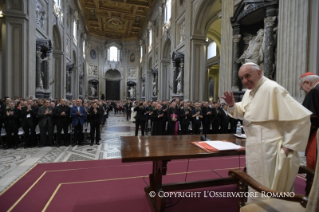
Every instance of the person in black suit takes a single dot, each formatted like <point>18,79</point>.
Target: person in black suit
<point>45,114</point>
<point>62,119</point>
<point>11,125</point>
<point>207,114</point>
<point>197,118</point>
<point>95,119</point>
<point>28,116</point>
<point>140,120</point>
<point>128,107</point>
<point>224,120</point>
<point>215,118</point>
<point>185,114</point>
<point>157,116</point>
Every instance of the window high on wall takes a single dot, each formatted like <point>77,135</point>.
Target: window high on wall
<point>168,11</point>
<point>211,50</point>
<point>113,53</point>
<point>150,39</point>
<point>141,53</point>
<point>75,29</point>
<point>58,2</point>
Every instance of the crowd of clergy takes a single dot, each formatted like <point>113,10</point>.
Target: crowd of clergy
<point>43,122</point>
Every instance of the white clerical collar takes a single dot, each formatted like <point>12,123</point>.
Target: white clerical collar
<point>260,82</point>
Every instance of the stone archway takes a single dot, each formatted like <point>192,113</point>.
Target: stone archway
<point>113,84</point>
<point>58,71</point>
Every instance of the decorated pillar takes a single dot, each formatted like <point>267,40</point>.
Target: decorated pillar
<point>269,45</point>
<point>236,53</point>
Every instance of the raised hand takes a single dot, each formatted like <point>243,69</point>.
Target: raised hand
<point>229,98</point>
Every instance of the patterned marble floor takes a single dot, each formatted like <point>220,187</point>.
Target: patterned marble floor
<point>14,163</point>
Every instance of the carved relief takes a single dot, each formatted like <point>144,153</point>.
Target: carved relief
<point>182,31</point>
<point>93,70</point>
<point>40,14</point>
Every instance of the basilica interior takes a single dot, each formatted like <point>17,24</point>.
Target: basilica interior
<point>139,50</point>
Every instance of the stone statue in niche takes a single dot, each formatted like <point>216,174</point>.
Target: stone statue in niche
<point>93,90</point>
<point>179,83</point>
<point>143,89</point>
<point>132,92</point>
<point>255,51</point>
<point>154,86</point>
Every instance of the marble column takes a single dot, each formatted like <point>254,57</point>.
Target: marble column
<point>174,77</point>
<point>269,46</point>
<point>39,83</point>
<point>182,74</point>
<point>46,83</point>
<point>226,56</point>
<point>292,45</point>
<point>236,55</point>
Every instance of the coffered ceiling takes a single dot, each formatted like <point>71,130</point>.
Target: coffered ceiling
<point>116,19</point>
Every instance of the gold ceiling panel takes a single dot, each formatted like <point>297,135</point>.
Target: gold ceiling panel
<point>116,19</point>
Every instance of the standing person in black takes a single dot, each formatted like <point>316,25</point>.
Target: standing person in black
<point>128,107</point>
<point>62,117</point>
<point>207,113</point>
<point>197,116</point>
<point>95,119</point>
<point>173,116</point>
<point>165,110</point>
<point>215,119</point>
<point>11,125</point>
<point>140,118</point>
<point>45,123</point>
<point>185,118</point>
<point>224,120</point>
<point>158,119</point>
<point>28,123</point>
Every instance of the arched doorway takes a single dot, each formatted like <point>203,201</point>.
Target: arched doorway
<point>112,84</point>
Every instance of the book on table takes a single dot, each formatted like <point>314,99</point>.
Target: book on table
<point>215,146</point>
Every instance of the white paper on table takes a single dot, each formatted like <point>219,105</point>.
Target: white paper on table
<point>223,145</point>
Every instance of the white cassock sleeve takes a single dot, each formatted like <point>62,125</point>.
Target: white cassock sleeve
<point>296,134</point>
<point>236,111</point>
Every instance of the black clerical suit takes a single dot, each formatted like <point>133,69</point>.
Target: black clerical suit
<point>95,120</point>
<point>128,107</point>
<point>28,124</point>
<point>185,115</point>
<point>46,125</point>
<point>62,122</point>
<point>165,111</point>
<point>11,125</point>
<point>197,121</point>
<point>140,118</point>
<point>207,114</point>
<point>224,121</point>
<point>158,120</point>
<point>215,120</point>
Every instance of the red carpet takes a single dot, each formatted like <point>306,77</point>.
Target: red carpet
<point>110,185</point>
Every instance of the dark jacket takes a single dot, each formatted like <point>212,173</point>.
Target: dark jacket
<point>141,113</point>
<point>11,120</point>
<point>28,118</point>
<point>43,119</point>
<point>59,118</point>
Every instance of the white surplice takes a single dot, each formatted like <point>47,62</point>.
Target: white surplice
<point>272,119</point>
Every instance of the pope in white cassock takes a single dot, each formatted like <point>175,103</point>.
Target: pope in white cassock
<point>276,127</point>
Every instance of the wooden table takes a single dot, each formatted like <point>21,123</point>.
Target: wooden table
<point>161,149</point>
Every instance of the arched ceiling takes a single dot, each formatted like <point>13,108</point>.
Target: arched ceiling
<point>116,19</point>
